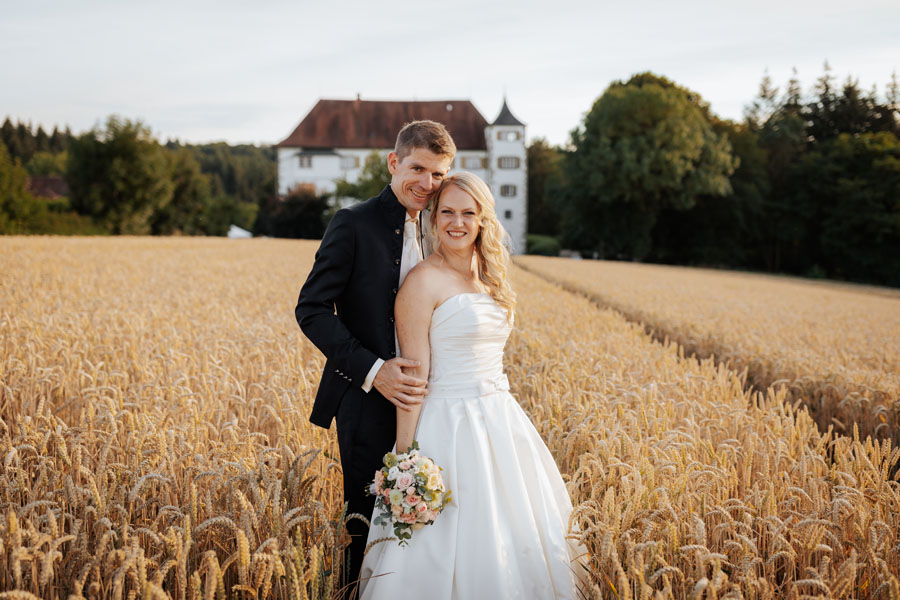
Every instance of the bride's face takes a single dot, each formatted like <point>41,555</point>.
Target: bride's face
<point>457,219</point>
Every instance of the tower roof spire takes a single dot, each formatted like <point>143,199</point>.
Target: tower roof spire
<point>506,117</point>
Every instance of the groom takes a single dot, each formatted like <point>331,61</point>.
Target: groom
<point>346,308</point>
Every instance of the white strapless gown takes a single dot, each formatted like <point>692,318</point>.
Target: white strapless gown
<point>503,534</point>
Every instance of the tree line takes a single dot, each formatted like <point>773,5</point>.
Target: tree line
<point>806,184</point>
<point>121,180</point>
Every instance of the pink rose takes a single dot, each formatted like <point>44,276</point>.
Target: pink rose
<point>379,478</point>
<point>412,499</point>
<point>405,465</point>
<point>420,507</point>
<point>404,480</point>
<point>387,494</point>
<point>408,518</point>
<point>396,510</point>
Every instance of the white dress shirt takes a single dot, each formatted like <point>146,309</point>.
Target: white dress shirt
<point>409,257</point>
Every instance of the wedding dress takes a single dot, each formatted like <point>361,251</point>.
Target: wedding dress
<point>503,534</point>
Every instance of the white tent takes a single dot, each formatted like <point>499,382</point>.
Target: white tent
<point>236,232</point>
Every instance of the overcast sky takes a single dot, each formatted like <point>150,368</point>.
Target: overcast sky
<point>249,71</point>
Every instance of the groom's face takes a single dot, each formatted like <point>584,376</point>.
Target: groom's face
<point>417,177</point>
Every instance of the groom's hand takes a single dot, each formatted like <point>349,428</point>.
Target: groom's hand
<point>400,389</point>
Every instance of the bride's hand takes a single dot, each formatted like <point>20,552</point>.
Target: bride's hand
<point>400,389</point>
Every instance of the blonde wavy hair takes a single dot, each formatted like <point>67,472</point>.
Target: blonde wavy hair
<point>491,243</point>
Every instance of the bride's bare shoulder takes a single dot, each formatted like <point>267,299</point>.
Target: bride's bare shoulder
<point>425,280</point>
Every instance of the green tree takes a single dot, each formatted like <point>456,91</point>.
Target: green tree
<point>7,134</point>
<point>854,182</point>
<point>851,111</point>
<point>780,132</point>
<point>545,181</point>
<point>59,140</point>
<point>790,129</point>
<point>47,163</point>
<point>223,211</point>
<point>41,140</point>
<point>22,213</point>
<point>245,172</point>
<point>26,145</point>
<point>892,93</point>
<point>17,207</point>
<point>765,103</point>
<point>721,231</point>
<point>301,214</point>
<point>646,145</point>
<point>371,181</point>
<point>191,198</point>
<point>119,175</point>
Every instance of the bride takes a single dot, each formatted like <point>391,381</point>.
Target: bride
<point>503,535</point>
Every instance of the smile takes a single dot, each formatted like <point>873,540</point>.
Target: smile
<point>456,234</point>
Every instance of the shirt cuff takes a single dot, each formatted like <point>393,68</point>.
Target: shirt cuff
<point>370,378</point>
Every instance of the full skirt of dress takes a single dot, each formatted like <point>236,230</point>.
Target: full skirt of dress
<point>503,535</point>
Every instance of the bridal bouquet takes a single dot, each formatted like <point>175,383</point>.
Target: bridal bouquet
<point>410,492</point>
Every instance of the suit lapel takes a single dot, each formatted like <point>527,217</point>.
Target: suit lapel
<point>392,216</point>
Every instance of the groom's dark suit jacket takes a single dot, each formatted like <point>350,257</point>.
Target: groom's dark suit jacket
<point>346,306</point>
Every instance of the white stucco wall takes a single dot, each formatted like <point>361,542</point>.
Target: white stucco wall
<point>325,168</point>
<point>472,161</point>
<point>516,226</point>
<point>324,171</point>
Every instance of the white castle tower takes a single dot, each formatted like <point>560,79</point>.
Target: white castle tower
<point>507,173</point>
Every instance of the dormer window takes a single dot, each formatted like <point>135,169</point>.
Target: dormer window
<point>509,136</point>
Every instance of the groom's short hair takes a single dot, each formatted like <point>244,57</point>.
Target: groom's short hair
<point>429,135</point>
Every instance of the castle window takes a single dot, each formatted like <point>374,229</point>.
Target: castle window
<point>349,162</point>
<point>507,214</point>
<point>509,136</point>
<point>473,162</point>
<point>508,190</point>
<point>508,162</point>
<point>305,161</point>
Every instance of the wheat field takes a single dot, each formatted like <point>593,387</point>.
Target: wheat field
<point>835,347</point>
<point>154,396</point>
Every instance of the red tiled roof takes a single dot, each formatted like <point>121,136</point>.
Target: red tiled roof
<point>375,123</point>
<point>48,186</point>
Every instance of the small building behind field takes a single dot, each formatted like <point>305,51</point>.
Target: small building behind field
<point>334,139</point>
<point>48,186</point>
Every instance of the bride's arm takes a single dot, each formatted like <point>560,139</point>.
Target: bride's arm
<point>412,316</point>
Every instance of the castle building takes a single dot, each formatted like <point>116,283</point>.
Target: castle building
<point>334,139</point>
